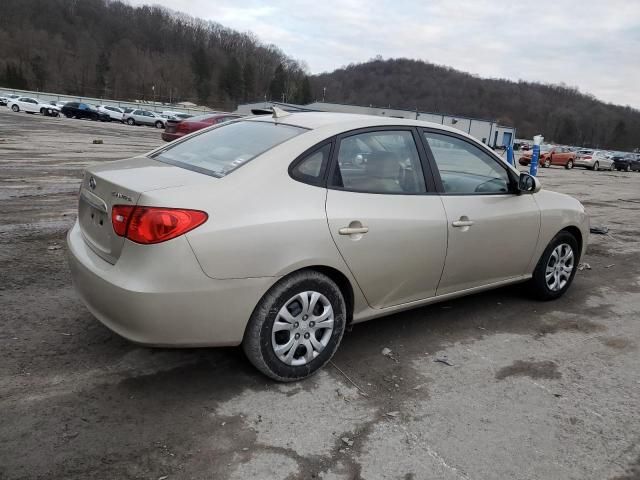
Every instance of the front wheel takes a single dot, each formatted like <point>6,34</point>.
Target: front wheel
<point>569,165</point>
<point>296,327</point>
<point>159,124</point>
<point>131,121</point>
<point>15,108</point>
<point>627,168</point>
<point>556,268</point>
<point>547,163</point>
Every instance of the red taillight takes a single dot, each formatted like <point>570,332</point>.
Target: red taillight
<point>587,157</point>
<point>148,225</point>
<point>120,215</point>
<point>182,127</point>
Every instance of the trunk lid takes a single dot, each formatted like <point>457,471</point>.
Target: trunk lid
<point>122,183</point>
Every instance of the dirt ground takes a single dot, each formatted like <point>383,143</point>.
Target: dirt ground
<point>534,390</point>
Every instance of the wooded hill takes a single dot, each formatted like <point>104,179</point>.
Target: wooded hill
<point>560,113</point>
<point>106,48</point>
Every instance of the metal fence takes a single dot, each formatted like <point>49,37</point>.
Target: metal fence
<point>147,105</point>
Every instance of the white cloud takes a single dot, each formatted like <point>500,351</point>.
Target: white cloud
<point>591,44</point>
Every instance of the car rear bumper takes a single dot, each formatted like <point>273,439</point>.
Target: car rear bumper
<point>169,137</point>
<point>583,163</point>
<point>161,296</point>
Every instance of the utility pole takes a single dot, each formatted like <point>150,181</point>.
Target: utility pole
<point>324,93</point>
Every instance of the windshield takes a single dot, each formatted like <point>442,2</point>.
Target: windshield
<point>225,148</point>
<point>545,148</point>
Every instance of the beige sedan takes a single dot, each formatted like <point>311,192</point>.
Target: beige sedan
<point>276,232</point>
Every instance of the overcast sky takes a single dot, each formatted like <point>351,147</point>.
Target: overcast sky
<point>591,44</point>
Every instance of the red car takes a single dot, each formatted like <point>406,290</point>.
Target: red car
<point>176,130</point>
<point>549,155</point>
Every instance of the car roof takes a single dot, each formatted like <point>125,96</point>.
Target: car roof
<point>347,121</point>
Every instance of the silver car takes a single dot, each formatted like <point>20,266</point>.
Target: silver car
<point>276,233</point>
<point>144,117</point>
<point>593,159</point>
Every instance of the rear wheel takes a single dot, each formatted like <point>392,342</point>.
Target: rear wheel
<point>15,108</point>
<point>556,268</point>
<point>159,124</point>
<point>547,163</point>
<point>297,327</point>
<point>42,111</point>
<point>569,165</point>
<point>596,166</point>
<point>131,121</point>
<point>627,168</point>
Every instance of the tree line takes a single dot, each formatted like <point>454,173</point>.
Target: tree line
<point>107,48</point>
<point>562,114</point>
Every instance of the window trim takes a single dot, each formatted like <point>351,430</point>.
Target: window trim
<point>323,178</point>
<point>427,173</point>
<point>513,181</point>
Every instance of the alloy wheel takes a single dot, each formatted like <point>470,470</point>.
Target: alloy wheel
<point>559,267</point>
<point>303,328</point>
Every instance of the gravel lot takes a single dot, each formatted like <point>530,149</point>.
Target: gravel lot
<point>536,390</point>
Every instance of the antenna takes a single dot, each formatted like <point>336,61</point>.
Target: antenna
<point>278,113</point>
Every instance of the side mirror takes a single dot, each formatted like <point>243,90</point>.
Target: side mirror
<point>528,183</point>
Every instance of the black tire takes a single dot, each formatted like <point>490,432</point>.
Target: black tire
<point>257,342</point>
<point>539,287</point>
<point>569,165</point>
<point>15,108</point>
<point>596,166</point>
<point>547,163</point>
<point>42,111</point>
<point>627,168</point>
<point>159,124</point>
<point>131,121</point>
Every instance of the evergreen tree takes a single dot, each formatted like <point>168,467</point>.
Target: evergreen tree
<point>231,80</point>
<point>304,91</point>
<point>278,84</point>
<point>249,84</point>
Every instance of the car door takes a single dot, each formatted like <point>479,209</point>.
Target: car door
<point>384,217</point>
<point>492,230</point>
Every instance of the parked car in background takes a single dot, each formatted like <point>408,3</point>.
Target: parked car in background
<point>5,98</point>
<point>626,162</point>
<point>27,104</point>
<point>83,110</point>
<point>593,159</point>
<point>170,249</point>
<point>115,113</point>
<point>176,130</point>
<point>550,155</point>
<point>144,117</point>
<point>51,109</point>
<point>176,115</point>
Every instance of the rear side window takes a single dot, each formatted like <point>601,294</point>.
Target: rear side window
<point>312,167</point>
<point>379,162</point>
<point>221,150</point>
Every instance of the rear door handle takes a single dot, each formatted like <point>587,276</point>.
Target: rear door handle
<point>462,223</point>
<point>353,230</point>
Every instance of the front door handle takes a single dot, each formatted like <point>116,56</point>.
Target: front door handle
<point>353,230</point>
<point>463,222</point>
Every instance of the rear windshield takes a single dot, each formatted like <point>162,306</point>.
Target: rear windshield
<point>227,147</point>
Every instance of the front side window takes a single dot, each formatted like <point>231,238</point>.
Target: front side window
<point>227,147</point>
<point>385,161</point>
<point>465,168</point>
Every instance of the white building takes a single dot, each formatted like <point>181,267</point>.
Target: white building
<point>487,131</point>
